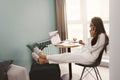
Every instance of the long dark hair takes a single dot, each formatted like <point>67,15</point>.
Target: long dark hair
<point>99,28</point>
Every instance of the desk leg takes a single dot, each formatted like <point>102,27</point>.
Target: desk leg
<point>70,76</point>
<point>70,71</point>
<point>70,67</point>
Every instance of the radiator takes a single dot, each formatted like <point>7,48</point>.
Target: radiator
<point>49,48</point>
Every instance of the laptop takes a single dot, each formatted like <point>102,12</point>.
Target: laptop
<point>55,38</point>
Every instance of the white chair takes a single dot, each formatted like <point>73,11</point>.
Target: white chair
<point>17,73</point>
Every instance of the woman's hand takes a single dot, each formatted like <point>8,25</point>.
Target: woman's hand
<point>81,42</point>
<point>92,33</point>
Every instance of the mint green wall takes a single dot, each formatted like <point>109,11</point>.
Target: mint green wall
<point>23,22</point>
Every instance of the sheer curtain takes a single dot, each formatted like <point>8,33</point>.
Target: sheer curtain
<point>61,19</point>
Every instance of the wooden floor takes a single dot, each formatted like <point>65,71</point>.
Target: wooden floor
<point>104,71</point>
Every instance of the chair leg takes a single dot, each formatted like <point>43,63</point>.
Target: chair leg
<point>82,73</point>
<point>98,73</point>
<point>89,72</point>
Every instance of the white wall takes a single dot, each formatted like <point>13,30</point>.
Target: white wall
<point>114,40</point>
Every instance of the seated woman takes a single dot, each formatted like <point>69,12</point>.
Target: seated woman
<point>88,53</point>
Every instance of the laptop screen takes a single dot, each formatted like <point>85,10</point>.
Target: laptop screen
<point>55,38</point>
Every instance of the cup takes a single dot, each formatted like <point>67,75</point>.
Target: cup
<point>74,39</point>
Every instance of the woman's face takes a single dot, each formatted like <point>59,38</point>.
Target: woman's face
<point>92,30</point>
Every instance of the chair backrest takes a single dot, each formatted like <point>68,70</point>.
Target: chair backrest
<point>98,60</point>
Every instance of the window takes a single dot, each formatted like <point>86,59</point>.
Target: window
<point>79,14</point>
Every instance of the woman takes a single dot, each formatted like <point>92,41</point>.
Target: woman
<point>88,53</point>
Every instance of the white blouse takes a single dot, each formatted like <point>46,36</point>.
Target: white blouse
<point>85,55</point>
